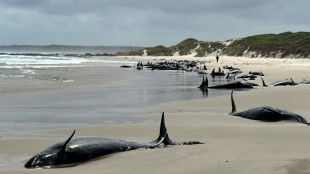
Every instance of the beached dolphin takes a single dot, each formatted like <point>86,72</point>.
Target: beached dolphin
<point>247,82</point>
<point>219,73</point>
<point>231,85</point>
<point>236,71</point>
<point>281,83</point>
<point>266,113</point>
<point>230,68</point>
<point>250,76</point>
<point>83,149</point>
<point>305,82</point>
<point>257,73</point>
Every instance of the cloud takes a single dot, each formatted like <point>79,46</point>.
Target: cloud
<point>147,22</point>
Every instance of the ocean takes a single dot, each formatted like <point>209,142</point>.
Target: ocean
<point>21,65</point>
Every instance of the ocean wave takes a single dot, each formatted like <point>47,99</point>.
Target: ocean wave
<point>25,65</point>
<point>35,60</point>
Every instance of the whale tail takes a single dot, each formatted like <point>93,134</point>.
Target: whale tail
<point>206,83</point>
<point>264,84</point>
<point>202,84</point>
<point>163,135</point>
<point>233,105</point>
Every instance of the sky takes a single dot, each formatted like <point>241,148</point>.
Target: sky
<point>145,22</point>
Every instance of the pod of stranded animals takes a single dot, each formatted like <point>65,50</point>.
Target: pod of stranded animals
<point>192,66</point>
<point>184,65</point>
<point>84,149</point>
<point>79,150</point>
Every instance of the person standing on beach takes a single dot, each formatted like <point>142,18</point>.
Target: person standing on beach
<point>217,59</point>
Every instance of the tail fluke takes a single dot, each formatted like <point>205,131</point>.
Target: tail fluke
<point>264,84</point>
<point>163,135</point>
<point>206,82</point>
<point>202,84</point>
<point>233,105</point>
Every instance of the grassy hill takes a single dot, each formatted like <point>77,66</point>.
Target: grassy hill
<point>271,45</point>
<point>281,45</point>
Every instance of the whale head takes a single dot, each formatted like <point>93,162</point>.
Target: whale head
<point>45,159</point>
<point>53,156</point>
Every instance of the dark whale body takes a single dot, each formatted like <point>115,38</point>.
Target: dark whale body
<point>79,150</point>
<point>249,83</point>
<point>257,73</point>
<point>218,73</point>
<point>266,113</point>
<point>305,82</point>
<point>250,76</point>
<point>231,85</point>
<point>285,82</point>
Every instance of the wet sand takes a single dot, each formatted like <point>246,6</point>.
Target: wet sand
<point>232,144</point>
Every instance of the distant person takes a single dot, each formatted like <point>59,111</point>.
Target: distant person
<point>217,59</point>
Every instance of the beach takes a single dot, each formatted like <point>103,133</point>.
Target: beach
<point>231,144</point>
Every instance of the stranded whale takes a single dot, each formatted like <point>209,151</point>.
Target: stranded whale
<point>305,82</point>
<point>231,85</point>
<point>281,83</point>
<point>266,113</point>
<point>79,150</point>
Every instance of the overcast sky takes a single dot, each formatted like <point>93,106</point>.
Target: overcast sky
<point>145,22</point>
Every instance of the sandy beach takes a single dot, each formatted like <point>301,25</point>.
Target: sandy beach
<point>231,144</point>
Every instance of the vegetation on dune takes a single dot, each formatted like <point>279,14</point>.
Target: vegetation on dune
<point>151,51</point>
<point>208,48</point>
<point>159,51</point>
<point>266,45</point>
<point>185,47</point>
<point>131,53</point>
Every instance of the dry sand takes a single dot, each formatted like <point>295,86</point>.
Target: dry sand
<point>232,145</point>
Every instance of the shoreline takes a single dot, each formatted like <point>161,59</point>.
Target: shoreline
<point>232,144</point>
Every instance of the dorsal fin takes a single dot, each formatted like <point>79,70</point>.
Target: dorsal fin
<point>293,82</point>
<point>206,83</point>
<point>63,148</point>
<point>233,105</point>
<point>227,75</point>
<point>163,135</point>
<point>264,84</point>
<point>162,129</point>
